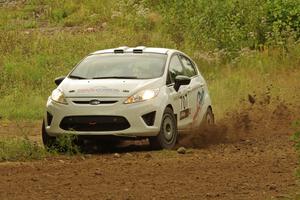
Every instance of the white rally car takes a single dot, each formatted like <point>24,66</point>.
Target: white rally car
<point>127,92</point>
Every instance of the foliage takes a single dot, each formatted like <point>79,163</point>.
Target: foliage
<point>20,149</point>
<point>65,143</point>
<point>282,21</point>
<point>230,24</point>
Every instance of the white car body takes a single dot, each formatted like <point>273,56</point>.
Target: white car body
<point>106,97</point>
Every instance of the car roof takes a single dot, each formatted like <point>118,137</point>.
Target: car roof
<point>139,49</point>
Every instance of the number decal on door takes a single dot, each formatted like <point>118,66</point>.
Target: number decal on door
<point>185,110</point>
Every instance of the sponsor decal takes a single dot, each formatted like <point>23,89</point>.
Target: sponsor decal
<point>97,90</point>
<point>200,101</point>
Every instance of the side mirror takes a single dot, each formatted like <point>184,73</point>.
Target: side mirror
<point>181,80</point>
<point>58,80</point>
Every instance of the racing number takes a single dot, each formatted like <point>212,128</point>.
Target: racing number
<point>185,111</point>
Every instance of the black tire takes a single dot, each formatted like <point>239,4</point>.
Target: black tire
<point>167,137</point>
<point>209,119</point>
<point>48,141</point>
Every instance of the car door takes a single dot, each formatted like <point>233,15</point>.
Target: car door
<point>195,90</point>
<point>180,101</point>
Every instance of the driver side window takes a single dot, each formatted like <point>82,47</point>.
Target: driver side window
<point>175,69</point>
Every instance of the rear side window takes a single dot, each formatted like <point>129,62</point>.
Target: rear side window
<point>175,68</point>
<point>189,70</point>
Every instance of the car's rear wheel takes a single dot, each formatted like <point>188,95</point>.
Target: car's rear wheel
<point>167,137</point>
<point>48,141</point>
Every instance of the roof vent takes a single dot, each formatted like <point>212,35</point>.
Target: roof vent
<point>118,51</point>
<point>137,50</point>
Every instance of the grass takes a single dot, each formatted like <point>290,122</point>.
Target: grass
<point>253,74</point>
<point>23,149</point>
<point>20,149</point>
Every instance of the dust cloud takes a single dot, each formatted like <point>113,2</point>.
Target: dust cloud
<point>259,114</point>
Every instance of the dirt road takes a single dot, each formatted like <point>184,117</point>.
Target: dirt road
<point>259,163</point>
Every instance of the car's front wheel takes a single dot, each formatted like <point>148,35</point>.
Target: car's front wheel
<point>167,137</point>
<point>48,141</point>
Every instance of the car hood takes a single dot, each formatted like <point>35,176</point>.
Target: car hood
<point>106,87</point>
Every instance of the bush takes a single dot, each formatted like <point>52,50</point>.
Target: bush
<point>230,24</point>
<point>65,143</point>
<point>282,20</point>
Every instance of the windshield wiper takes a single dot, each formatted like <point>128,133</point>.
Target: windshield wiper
<point>116,77</point>
<point>76,77</point>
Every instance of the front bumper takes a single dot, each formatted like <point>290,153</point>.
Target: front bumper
<point>131,112</point>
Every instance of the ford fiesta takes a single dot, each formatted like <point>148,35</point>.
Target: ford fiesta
<point>138,92</point>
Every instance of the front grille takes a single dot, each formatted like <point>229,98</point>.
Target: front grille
<point>94,123</point>
<point>89,102</point>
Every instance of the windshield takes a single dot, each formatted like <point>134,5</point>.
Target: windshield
<point>125,66</point>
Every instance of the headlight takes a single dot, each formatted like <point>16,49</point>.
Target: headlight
<point>58,96</point>
<point>142,96</point>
